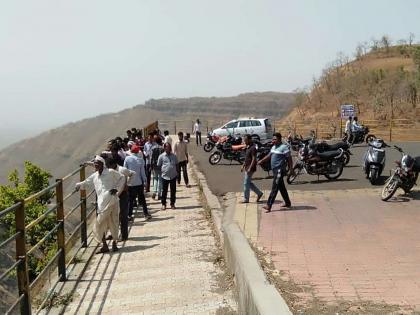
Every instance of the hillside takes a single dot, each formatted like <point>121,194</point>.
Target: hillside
<point>383,83</point>
<point>270,104</point>
<point>61,150</point>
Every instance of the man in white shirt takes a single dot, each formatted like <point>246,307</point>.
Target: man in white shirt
<point>348,127</point>
<point>181,152</point>
<point>123,196</point>
<point>197,131</point>
<point>108,185</point>
<point>167,138</point>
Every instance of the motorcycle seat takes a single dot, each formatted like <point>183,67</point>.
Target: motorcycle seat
<point>339,145</point>
<point>329,154</point>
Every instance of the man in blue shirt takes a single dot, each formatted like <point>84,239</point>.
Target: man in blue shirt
<point>137,182</point>
<point>279,155</point>
<point>168,162</point>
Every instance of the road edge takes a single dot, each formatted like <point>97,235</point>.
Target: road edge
<point>255,294</point>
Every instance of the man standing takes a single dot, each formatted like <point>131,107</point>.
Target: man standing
<point>348,127</point>
<point>249,168</point>
<point>135,163</point>
<point>108,184</point>
<point>279,155</point>
<point>156,171</point>
<point>181,152</point>
<point>148,146</point>
<point>124,199</point>
<point>167,138</point>
<point>167,161</point>
<point>197,131</point>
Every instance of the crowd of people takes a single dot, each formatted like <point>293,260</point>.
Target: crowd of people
<point>131,167</point>
<point>126,171</point>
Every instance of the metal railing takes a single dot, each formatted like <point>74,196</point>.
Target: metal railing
<point>25,286</point>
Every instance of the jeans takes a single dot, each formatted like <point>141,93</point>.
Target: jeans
<point>137,192</point>
<point>182,166</point>
<point>148,176</point>
<point>249,185</point>
<point>197,137</point>
<point>165,184</point>
<point>124,214</point>
<point>278,184</point>
<point>157,182</point>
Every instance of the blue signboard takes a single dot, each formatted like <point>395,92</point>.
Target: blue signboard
<point>347,110</point>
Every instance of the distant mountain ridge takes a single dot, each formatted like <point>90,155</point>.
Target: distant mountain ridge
<point>267,104</point>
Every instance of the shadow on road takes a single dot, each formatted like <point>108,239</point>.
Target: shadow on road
<point>295,208</point>
<point>129,249</point>
<point>146,238</point>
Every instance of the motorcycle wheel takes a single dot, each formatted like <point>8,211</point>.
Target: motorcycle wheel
<point>370,138</point>
<point>389,189</point>
<point>291,177</point>
<point>337,174</point>
<point>208,147</point>
<point>346,158</point>
<point>215,158</point>
<point>374,175</point>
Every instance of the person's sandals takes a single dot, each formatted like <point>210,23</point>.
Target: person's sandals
<point>244,201</point>
<point>163,207</point>
<point>103,250</point>
<point>267,209</point>
<point>259,197</point>
<point>148,217</point>
<point>173,207</point>
<point>109,237</point>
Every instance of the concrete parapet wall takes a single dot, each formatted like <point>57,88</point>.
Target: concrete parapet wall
<point>254,293</point>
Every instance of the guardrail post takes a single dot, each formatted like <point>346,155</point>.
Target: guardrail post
<point>390,130</point>
<point>61,244</point>
<point>83,228</point>
<point>22,268</point>
<point>175,126</point>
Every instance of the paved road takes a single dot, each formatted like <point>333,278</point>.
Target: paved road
<point>343,245</point>
<point>225,178</point>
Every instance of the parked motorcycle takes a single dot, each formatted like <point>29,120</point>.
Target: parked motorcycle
<point>374,160</point>
<point>329,163</point>
<point>211,141</point>
<point>325,147</point>
<point>359,136</point>
<point>263,149</point>
<point>405,175</point>
<point>232,150</point>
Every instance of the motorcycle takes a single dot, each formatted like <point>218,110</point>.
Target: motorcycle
<point>325,147</point>
<point>359,136</point>
<point>263,149</point>
<point>328,163</point>
<point>374,160</point>
<point>232,150</point>
<point>405,175</point>
<point>211,141</point>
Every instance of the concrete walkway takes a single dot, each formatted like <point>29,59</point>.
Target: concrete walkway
<point>169,265</point>
<point>347,245</point>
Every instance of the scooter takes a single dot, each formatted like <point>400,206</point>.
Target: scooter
<point>374,160</point>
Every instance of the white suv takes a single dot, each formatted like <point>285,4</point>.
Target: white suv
<point>258,128</point>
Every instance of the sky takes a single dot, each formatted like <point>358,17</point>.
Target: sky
<point>62,61</point>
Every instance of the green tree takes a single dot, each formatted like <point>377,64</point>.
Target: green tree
<point>35,179</point>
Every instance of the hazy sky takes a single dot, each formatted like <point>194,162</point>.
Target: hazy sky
<point>61,61</point>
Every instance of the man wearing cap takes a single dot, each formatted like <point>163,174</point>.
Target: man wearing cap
<point>135,162</point>
<point>108,185</point>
